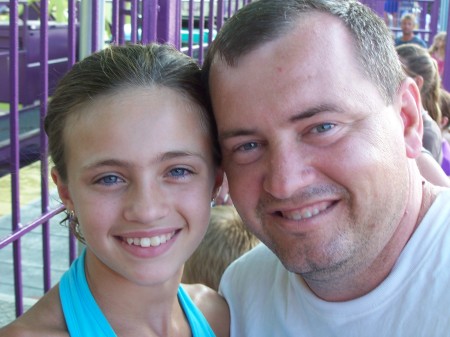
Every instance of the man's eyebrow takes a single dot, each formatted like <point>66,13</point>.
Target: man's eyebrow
<point>308,113</point>
<point>236,133</point>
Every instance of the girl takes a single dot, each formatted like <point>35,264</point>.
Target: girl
<point>131,137</point>
<point>437,51</point>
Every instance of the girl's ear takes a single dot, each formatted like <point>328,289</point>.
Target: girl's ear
<point>218,182</point>
<point>419,81</point>
<point>63,189</point>
<point>411,114</point>
<point>444,121</point>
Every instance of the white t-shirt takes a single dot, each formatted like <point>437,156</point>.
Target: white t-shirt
<point>413,301</point>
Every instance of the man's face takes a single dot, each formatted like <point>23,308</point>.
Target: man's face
<point>315,159</point>
<point>407,26</point>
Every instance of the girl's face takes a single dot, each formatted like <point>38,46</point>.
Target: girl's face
<point>140,180</point>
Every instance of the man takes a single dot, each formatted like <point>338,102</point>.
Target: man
<point>319,128</point>
<point>407,24</point>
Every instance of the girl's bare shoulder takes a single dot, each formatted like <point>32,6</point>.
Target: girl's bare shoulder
<point>45,318</point>
<point>212,305</point>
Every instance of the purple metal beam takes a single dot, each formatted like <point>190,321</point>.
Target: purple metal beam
<point>201,31</point>
<point>72,44</point>
<point>72,47</point>
<point>446,78</point>
<point>16,235</point>
<point>94,26</point>
<point>149,20</point>
<point>169,23</point>
<point>14,135</point>
<point>43,141</point>
<point>134,21</point>
<point>191,28</point>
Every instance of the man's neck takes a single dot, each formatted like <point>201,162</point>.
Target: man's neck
<point>407,37</point>
<point>363,279</point>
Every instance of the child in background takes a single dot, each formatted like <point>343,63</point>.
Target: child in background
<point>444,104</point>
<point>226,239</point>
<point>136,165</point>
<point>418,64</point>
<point>437,51</point>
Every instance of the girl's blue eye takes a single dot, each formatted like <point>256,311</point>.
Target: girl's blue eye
<point>179,172</point>
<point>110,180</point>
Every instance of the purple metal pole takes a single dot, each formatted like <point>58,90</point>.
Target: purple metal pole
<point>72,44</point>
<point>134,25</point>
<point>220,12</point>
<point>72,33</point>
<point>14,136</point>
<point>149,20</point>
<point>28,228</point>
<point>115,22</point>
<point>211,22</point>
<point>446,78</point>
<point>434,20</point>
<point>94,26</point>
<point>191,28</point>
<point>43,140</point>
<point>201,31</point>
<point>169,22</point>
<point>121,39</point>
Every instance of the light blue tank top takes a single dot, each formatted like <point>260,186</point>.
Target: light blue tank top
<point>84,317</point>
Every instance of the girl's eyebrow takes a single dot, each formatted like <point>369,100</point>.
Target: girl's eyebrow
<point>162,157</point>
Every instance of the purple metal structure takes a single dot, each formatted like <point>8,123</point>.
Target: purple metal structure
<point>427,13</point>
<point>150,20</point>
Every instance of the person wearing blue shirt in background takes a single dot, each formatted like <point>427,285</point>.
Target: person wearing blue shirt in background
<point>407,25</point>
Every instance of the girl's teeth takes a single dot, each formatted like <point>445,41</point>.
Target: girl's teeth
<point>145,242</point>
<point>153,241</point>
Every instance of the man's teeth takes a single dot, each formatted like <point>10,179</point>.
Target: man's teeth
<point>305,213</point>
<point>153,241</point>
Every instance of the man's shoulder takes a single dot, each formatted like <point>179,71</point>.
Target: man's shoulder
<point>419,41</point>
<point>253,257</point>
<point>258,261</point>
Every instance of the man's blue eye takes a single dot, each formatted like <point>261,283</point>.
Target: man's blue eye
<point>249,146</point>
<point>323,127</point>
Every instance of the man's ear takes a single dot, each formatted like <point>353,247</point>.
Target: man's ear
<point>63,189</point>
<point>411,114</point>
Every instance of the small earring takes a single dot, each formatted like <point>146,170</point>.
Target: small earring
<point>75,226</point>
<point>72,217</point>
